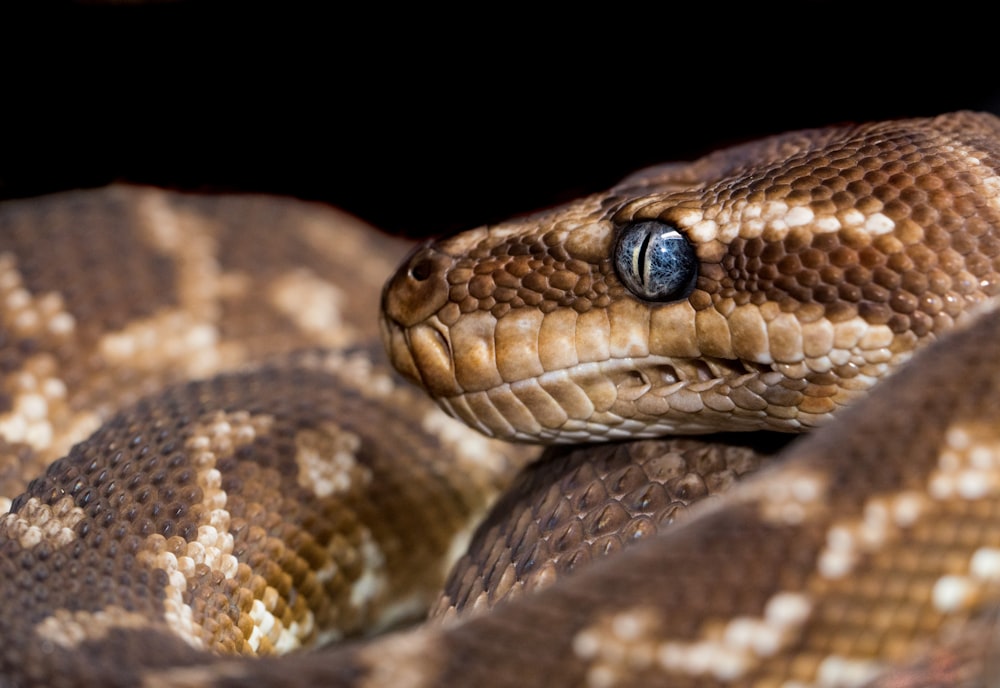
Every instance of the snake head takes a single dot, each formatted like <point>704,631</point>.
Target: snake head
<point>762,287</point>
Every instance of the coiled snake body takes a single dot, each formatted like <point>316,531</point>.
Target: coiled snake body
<point>243,474</point>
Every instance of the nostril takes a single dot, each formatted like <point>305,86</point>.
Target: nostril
<point>418,288</point>
<point>421,269</point>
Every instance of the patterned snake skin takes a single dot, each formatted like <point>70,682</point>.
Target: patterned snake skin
<point>208,456</point>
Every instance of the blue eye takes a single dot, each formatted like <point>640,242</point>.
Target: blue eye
<point>655,261</point>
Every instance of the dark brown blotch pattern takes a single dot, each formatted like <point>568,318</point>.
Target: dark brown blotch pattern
<point>136,482</point>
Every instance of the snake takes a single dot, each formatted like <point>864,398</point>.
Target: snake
<point>732,422</point>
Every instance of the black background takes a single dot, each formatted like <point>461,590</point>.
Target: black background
<point>425,121</point>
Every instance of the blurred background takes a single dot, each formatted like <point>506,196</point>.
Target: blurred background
<point>425,120</point>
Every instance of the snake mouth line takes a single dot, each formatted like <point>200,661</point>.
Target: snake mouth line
<point>604,399</point>
<point>634,376</point>
<point>705,369</point>
<point>607,399</point>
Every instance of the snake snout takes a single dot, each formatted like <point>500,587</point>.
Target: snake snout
<point>418,345</point>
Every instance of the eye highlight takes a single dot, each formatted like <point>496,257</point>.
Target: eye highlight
<point>655,261</point>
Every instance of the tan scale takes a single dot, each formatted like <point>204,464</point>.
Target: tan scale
<point>296,493</point>
<point>253,512</point>
<point>819,273</point>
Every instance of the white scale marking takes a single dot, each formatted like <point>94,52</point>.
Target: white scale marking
<point>629,640</point>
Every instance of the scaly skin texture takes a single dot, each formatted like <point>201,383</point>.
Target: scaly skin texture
<point>242,473</point>
<point>825,259</point>
<point>866,553</point>
<point>251,498</point>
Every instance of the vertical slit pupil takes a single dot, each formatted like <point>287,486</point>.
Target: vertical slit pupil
<point>642,269</point>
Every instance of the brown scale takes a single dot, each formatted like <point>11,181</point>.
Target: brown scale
<point>728,562</point>
<point>942,257</point>
<point>56,251</point>
<point>724,565</point>
<point>577,505</point>
<point>912,279</point>
<point>910,289</point>
<point>531,271</point>
<point>264,238</point>
<point>136,485</point>
<point>909,279</point>
<point>94,250</point>
<point>915,279</point>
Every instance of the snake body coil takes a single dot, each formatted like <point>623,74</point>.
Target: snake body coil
<point>207,456</point>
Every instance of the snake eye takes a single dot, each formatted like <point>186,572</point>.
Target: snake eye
<point>655,261</point>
